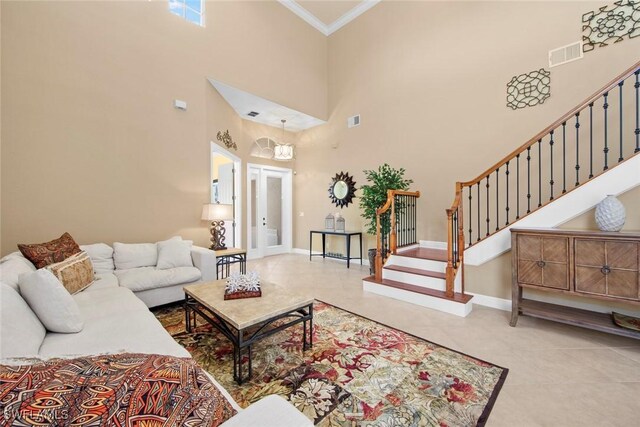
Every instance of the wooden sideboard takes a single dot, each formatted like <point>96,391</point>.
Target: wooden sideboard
<point>592,264</point>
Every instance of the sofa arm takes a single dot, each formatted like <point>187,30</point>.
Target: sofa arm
<point>270,411</point>
<point>204,260</point>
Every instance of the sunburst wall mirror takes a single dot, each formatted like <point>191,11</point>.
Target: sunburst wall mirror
<point>342,190</point>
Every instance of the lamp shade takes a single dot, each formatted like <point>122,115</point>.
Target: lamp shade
<point>217,211</point>
<point>283,152</point>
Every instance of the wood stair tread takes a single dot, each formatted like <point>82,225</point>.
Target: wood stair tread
<point>457,297</point>
<point>425,253</point>
<point>417,271</point>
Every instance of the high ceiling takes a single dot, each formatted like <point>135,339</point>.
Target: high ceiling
<point>328,16</point>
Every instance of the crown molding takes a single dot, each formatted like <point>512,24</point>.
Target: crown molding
<point>327,30</point>
<point>307,16</point>
<point>351,15</point>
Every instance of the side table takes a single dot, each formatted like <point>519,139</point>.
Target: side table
<point>226,257</point>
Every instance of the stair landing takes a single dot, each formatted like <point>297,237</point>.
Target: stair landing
<point>425,253</point>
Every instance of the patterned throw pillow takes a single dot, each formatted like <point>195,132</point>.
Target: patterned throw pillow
<point>43,254</point>
<point>75,273</point>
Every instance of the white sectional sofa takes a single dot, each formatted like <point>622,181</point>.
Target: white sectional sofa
<point>117,320</point>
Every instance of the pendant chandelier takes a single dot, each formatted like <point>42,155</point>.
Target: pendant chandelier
<point>283,151</point>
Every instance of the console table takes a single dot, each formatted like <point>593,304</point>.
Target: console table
<point>591,264</point>
<point>346,234</point>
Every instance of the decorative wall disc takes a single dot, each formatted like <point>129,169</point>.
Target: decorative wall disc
<point>527,90</point>
<point>610,24</point>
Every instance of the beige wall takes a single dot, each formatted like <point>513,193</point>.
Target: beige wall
<point>494,277</point>
<point>428,79</point>
<point>91,143</point>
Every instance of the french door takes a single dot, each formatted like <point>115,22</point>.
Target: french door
<point>269,191</point>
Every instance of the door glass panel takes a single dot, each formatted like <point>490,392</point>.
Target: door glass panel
<point>274,211</point>
<point>254,212</point>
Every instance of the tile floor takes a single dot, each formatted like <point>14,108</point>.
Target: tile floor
<point>559,375</point>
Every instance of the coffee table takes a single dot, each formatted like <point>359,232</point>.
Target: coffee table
<point>246,321</point>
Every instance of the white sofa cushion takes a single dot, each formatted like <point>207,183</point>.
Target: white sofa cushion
<point>101,256</point>
<point>270,411</point>
<point>51,302</point>
<point>134,255</point>
<point>12,266</point>
<point>103,280</point>
<point>143,278</point>
<point>116,321</point>
<point>174,253</point>
<point>21,333</point>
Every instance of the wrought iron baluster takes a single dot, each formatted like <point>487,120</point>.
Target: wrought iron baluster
<point>497,200</point>
<point>507,208</point>
<point>518,186</point>
<point>637,87</point>
<point>605,106</point>
<point>577,148</point>
<point>528,179</point>
<point>621,158</point>
<point>487,204</point>
<point>478,211</point>
<point>591,140</point>
<point>551,182</point>
<point>539,172</point>
<point>564,157</point>
<point>470,216</point>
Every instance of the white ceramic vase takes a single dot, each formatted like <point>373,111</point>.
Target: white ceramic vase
<point>610,214</point>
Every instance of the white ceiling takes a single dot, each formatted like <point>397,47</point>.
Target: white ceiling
<point>271,113</point>
<point>328,16</point>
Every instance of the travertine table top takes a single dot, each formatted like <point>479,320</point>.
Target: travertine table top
<point>243,313</point>
<point>231,251</point>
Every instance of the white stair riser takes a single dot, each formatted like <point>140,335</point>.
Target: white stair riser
<point>422,264</point>
<point>427,301</point>
<point>415,279</point>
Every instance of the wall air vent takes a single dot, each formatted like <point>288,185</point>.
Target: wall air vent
<point>252,113</point>
<point>565,54</point>
<point>353,121</point>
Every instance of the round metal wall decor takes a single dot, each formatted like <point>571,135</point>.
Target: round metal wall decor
<point>342,190</point>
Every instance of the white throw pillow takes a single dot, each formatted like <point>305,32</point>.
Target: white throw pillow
<point>101,256</point>
<point>51,302</point>
<point>174,253</point>
<point>22,332</point>
<point>134,255</point>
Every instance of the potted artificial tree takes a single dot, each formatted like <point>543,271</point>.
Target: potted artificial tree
<point>374,195</point>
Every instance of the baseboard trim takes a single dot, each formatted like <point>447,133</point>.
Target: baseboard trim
<point>301,251</point>
<point>489,301</point>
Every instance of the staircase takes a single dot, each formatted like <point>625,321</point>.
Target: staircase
<point>591,149</point>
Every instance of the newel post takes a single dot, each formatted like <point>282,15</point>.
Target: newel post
<point>450,273</point>
<point>378,260</point>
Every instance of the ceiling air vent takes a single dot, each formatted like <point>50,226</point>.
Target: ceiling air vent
<point>353,121</point>
<point>564,54</point>
<point>252,113</point>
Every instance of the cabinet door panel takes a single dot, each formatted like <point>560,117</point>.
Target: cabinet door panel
<point>589,252</point>
<point>555,249</point>
<point>590,280</point>
<point>622,283</point>
<point>622,255</point>
<point>555,276</point>
<point>529,272</point>
<point>530,247</point>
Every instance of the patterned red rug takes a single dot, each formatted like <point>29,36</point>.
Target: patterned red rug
<point>359,372</point>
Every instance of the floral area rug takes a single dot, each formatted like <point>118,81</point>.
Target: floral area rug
<point>359,372</point>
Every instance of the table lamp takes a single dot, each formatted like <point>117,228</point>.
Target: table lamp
<point>217,213</point>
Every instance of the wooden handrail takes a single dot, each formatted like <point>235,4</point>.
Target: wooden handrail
<point>455,236</point>
<point>381,252</point>
<point>581,106</point>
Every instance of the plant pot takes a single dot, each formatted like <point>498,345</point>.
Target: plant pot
<point>372,261</point>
